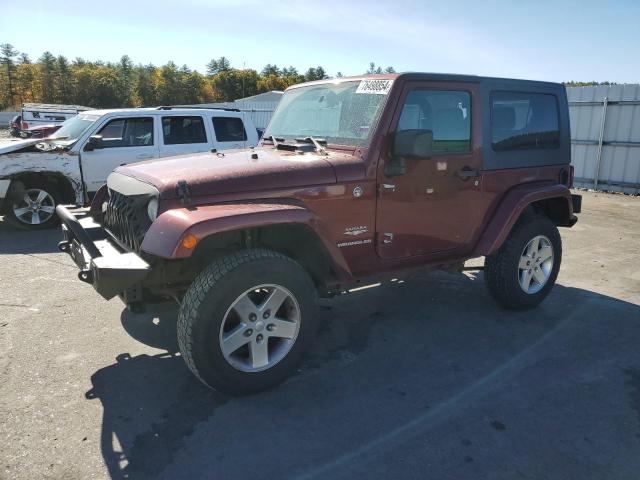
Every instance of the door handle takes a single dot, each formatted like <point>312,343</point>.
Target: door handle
<point>144,155</point>
<point>465,173</point>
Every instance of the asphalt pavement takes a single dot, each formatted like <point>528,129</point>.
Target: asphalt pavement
<point>428,378</point>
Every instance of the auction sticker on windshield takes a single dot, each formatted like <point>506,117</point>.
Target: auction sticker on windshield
<point>380,87</point>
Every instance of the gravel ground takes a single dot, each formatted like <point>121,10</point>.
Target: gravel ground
<point>424,379</point>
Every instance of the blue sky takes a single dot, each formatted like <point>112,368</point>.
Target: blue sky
<point>545,40</point>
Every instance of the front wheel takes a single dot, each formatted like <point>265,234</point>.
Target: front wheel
<point>246,321</point>
<point>35,209</point>
<point>523,271</point>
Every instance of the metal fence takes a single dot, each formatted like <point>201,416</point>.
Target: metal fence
<point>259,112</point>
<point>605,137</point>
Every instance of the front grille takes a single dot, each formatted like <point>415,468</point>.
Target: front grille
<point>126,219</point>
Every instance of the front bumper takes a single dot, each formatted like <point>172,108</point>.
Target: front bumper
<point>102,264</point>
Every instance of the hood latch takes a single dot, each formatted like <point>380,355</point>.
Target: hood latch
<point>183,192</point>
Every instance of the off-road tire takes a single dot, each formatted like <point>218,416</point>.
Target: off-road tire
<point>501,268</point>
<point>8,210</point>
<point>209,297</point>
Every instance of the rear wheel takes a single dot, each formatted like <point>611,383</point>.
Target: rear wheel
<point>34,208</point>
<point>523,271</point>
<point>246,321</point>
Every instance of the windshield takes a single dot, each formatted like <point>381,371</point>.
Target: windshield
<point>74,127</point>
<point>342,113</point>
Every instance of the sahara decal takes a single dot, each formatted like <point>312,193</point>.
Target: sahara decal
<point>356,230</point>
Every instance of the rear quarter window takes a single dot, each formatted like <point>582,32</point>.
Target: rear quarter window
<point>524,121</point>
<point>229,129</point>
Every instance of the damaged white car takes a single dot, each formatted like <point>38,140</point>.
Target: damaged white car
<point>68,168</point>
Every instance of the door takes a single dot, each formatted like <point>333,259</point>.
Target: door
<point>182,134</point>
<point>433,207</point>
<point>124,140</point>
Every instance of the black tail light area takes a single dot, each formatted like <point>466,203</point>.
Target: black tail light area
<point>566,176</point>
<point>571,175</point>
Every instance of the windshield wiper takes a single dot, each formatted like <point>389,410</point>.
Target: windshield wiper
<point>275,140</point>
<point>317,142</point>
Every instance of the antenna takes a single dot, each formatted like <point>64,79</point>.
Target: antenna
<point>244,73</point>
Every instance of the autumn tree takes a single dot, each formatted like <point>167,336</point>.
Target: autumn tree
<point>217,66</point>
<point>269,69</point>
<point>234,84</point>
<point>317,73</point>
<point>7,56</point>
<point>267,83</point>
<point>126,80</point>
<point>146,91</point>
<point>124,84</point>
<point>170,88</point>
<point>47,75</point>
<point>63,81</point>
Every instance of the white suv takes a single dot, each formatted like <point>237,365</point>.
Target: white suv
<point>36,175</point>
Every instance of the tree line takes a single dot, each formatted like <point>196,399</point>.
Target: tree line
<point>573,83</point>
<point>98,84</point>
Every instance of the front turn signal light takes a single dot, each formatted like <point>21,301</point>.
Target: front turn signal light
<point>189,241</point>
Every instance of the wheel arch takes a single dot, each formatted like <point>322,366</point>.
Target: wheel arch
<point>63,185</point>
<point>290,229</point>
<point>551,200</point>
<point>295,240</point>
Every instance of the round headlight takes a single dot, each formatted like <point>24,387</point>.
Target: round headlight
<point>152,209</point>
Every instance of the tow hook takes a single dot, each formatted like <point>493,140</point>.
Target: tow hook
<point>64,246</point>
<point>86,276</point>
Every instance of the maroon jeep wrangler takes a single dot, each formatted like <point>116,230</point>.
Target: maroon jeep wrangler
<point>355,179</point>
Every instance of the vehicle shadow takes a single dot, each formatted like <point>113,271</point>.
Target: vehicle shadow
<point>16,240</point>
<point>393,367</point>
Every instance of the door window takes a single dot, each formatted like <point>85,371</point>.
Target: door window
<point>127,132</point>
<point>447,114</point>
<point>229,129</point>
<point>182,129</point>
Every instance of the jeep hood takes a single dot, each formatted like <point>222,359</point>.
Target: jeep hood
<point>235,171</point>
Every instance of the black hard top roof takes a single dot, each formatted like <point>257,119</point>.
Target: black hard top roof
<point>456,77</point>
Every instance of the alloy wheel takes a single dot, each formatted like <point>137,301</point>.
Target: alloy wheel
<point>36,207</point>
<point>260,328</point>
<point>536,264</point>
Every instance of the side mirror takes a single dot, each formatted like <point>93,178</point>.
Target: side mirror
<point>412,144</point>
<point>94,143</point>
